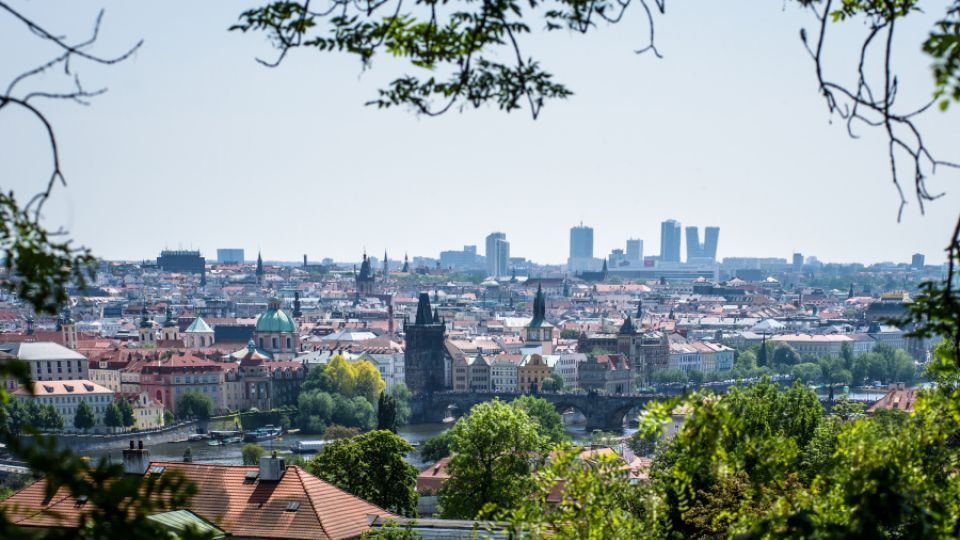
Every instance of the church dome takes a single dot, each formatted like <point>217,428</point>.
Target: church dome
<point>275,319</point>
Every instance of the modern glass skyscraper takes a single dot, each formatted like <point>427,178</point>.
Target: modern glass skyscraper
<point>581,241</point>
<point>707,251</point>
<point>498,254</point>
<point>670,241</point>
<point>635,250</point>
<point>711,236</point>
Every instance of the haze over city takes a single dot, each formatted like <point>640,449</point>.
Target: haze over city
<point>196,145</point>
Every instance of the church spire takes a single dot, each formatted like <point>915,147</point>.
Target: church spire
<point>259,271</point>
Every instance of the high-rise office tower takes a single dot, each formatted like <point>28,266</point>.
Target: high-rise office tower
<point>702,252</point>
<point>670,241</point>
<point>918,260</point>
<point>694,249</point>
<point>797,262</point>
<point>581,241</point>
<point>711,236</point>
<point>634,250</point>
<point>498,254</point>
<point>581,249</point>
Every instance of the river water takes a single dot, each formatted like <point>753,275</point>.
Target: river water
<point>201,452</point>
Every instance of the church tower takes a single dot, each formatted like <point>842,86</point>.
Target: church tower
<point>259,271</point>
<point>539,330</point>
<point>69,330</point>
<point>424,348</point>
<point>386,266</point>
<point>365,279</point>
<point>147,335</point>
<point>170,331</point>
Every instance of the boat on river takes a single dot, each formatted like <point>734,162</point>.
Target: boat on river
<point>308,447</point>
<point>262,434</point>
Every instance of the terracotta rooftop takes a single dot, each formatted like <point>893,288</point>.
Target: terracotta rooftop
<point>300,505</point>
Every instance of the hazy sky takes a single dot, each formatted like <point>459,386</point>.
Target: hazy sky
<point>196,145</point>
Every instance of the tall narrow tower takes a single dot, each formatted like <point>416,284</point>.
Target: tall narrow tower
<point>423,353</point>
<point>69,330</point>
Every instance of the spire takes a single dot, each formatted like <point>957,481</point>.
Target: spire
<point>436,316</point>
<point>539,307</point>
<point>259,266</point>
<point>424,313</point>
<point>406,264</point>
<point>168,317</point>
<point>640,311</point>
<point>628,327</point>
<point>296,304</point>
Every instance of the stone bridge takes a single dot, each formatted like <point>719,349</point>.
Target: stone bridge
<point>604,412</point>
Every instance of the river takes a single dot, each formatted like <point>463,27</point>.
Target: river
<point>201,452</point>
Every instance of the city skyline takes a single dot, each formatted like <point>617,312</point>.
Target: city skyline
<point>160,161</point>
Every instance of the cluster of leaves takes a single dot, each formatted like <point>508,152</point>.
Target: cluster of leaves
<point>19,414</point>
<point>884,364</point>
<point>119,414</point>
<point>39,267</point>
<point>251,453</point>
<point>192,404</point>
<point>493,451</point>
<point>461,41</point>
<point>372,467</point>
<point>350,394</point>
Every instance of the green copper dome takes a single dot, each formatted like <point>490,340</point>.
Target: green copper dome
<point>275,319</point>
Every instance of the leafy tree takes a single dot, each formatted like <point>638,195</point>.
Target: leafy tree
<point>340,377</point>
<point>785,355</point>
<point>315,410</point>
<point>569,334</point>
<point>695,376</point>
<point>353,412</point>
<point>593,502</point>
<point>667,376</point>
<point>549,422</point>
<point>436,448</point>
<point>337,432</point>
<point>168,418</point>
<point>372,467</point>
<point>806,372</point>
<point>387,412</point>
<point>401,395</point>
<point>369,383</point>
<point>84,418</point>
<point>50,418</point>
<point>490,467</point>
<point>126,412</point>
<point>192,404</point>
<point>844,408</point>
<point>846,354</point>
<point>251,453</point>
<point>112,417</point>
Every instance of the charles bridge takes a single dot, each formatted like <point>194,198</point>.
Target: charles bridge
<point>604,412</point>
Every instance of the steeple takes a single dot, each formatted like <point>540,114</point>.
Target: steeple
<point>406,264</point>
<point>539,307</point>
<point>436,316</point>
<point>386,266</point>
<point>259,271</point>
<point>640,312</point>
<point>424,313</point>
<point>628,327</point>
<point>168,321</point>
<point>144,321</point>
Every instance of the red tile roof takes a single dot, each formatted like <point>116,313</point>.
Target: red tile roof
<point>241,507</point>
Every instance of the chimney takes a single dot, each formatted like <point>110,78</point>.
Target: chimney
<point>272,468</point>
<point>136,460</point>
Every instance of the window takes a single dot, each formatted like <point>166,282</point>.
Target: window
<point>274,343</point>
